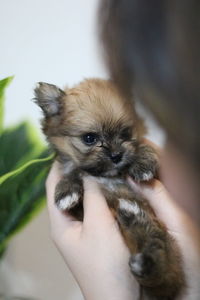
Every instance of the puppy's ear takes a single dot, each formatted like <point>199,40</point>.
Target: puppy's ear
<point>49,98</point>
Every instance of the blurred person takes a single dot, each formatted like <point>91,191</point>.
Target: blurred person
<point>151,48</point>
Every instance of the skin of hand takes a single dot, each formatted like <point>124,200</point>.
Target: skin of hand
<point>94,249</point>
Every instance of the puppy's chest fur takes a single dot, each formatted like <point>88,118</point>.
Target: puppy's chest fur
<point>110,186</point>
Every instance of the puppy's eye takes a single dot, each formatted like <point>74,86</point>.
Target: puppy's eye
<point>126,133</point>
<point>90,138</point>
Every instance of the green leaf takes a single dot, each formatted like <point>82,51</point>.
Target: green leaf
<point>24,164</point>
<point>3,84</point>
<point>2,251</point>
<point>18,145</point>
<point>21,196</point>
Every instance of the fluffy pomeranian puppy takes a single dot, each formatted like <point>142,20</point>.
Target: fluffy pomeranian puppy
<point>95,130</point>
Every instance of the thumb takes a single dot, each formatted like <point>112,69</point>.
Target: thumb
<point>164,206</point>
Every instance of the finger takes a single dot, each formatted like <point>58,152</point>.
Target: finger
<point>59,220</point>
<point>164,206</point>
<point>53,178</point>
<point>95,205</point>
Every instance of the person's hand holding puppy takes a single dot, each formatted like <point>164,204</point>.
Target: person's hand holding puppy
<point>94,249</point>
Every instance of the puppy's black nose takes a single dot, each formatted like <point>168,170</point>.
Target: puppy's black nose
<point>116,157</point>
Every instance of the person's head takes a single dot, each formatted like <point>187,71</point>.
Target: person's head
<point>153,47</point>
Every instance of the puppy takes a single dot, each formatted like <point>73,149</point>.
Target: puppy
<point>95,131</point>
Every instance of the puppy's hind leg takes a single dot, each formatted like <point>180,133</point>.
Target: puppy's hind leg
<point>155,259</point>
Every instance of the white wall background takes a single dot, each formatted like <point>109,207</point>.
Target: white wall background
<point>46,40</point>
<point>56,42</point>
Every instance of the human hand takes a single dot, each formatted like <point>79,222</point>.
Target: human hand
<point>181,227</point>
<point>95,252</point>
<point>94,249</point>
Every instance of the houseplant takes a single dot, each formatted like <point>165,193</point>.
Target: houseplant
<point>24,164</point>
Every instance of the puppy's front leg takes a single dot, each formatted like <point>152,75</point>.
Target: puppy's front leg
<point>69,191</point>
<point>145,164</point>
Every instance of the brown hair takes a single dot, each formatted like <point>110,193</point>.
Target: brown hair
<point>154,46</point>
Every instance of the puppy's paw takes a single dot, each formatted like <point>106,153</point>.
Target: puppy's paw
<point>129,212</point>
<point>68,194</point>
<point>145,165</point>
<point>140,174</point>
<point>141,265</point>
<point>128,207</point>
<point>68,202</point>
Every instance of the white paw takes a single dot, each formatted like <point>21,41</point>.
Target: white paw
<point>68,202</point>
<point>136,264</point>
<point>129,207</point>
<point>147,176</point>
